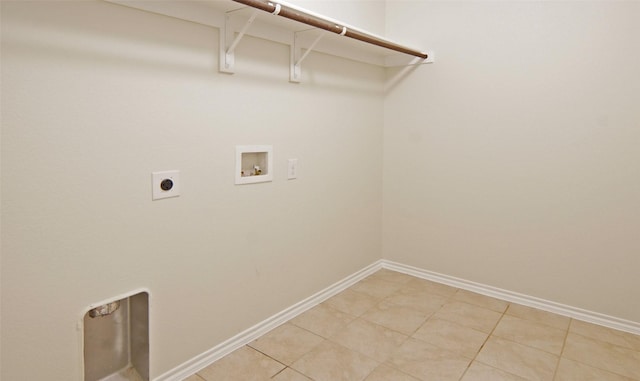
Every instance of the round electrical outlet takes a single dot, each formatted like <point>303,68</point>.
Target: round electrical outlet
<point>166,184</point>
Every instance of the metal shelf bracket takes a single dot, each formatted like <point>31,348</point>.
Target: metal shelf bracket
<point>297,56</point>
<point>229,41</point>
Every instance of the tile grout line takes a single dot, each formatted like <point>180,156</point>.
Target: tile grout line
<point>259,351</point>
<point>559,356</point>
<point>361,318</point>
<point>301,356</point>
<point>275,375</point>
<point>485,341</point>
<point>329,339</point>
<point>599,341</point>
<point>530,346</point>
<point>408,336</point>
<point>449,299</point>
<point>564,344</point>
<point>355,318</point>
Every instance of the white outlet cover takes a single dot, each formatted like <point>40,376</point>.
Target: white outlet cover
<point>156,180</point>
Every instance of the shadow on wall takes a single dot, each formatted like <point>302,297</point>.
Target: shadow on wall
<point>143,47</point>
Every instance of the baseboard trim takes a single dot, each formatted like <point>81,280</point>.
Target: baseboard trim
<point>509,296</point>
<point>243,338</point>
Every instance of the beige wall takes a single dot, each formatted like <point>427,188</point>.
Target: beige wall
<point>96,96</point>
<point>514,160</point>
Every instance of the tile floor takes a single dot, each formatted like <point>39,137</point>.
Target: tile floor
<point>394,327</point>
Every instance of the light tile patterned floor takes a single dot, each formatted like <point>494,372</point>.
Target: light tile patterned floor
<point>394,327</point>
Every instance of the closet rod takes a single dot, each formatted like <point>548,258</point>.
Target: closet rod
<point>315,21</point>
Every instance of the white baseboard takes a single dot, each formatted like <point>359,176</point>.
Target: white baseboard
<point>526,300</point>
<point>243,338</point>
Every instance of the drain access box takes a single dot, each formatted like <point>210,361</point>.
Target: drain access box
<point>116,340</point>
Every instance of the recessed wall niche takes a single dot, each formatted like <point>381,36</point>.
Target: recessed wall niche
<point>254,164</point>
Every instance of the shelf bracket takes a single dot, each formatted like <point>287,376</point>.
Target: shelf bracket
<point>229,42</point>
<point>295,71</point>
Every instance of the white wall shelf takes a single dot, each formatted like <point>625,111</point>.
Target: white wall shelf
<point>237,20</point>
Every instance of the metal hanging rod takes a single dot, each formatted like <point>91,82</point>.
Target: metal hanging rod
<point>292,13</point>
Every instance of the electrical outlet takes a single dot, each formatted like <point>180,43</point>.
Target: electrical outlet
<point>165,184</point>
<point>292,171</point>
